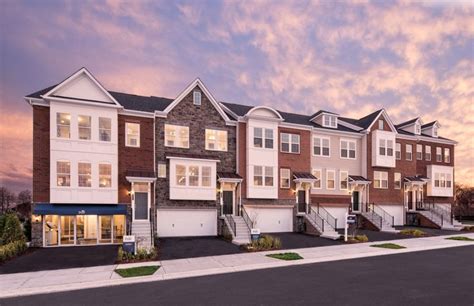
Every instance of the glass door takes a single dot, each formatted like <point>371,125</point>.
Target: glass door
<point>67,230</point>
<point>86,229</point>
<point>51,230</point>
<point>105,224</point>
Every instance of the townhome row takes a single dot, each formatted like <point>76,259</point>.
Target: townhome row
<point>107,164</point>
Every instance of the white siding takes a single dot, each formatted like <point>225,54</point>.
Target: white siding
<point>433,191</point>
<point>380,160</point>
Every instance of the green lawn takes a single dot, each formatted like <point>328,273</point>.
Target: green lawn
<point>388,246</point>
<point>460,238</point>
<point>137,271</point>
<point>286,256</point>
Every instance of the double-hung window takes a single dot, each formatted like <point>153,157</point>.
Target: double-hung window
<point>389,147</point>
<point>197,97</point>
<point>317,173</point>
<point>380,179</point>
<point>63,125</point>
<point>206,176</point>
<point>284,178</point>
<point>348,149</point>
<point>382,147</point>
<point>262,138</point>
<point>105,175</point>
<point>262,176</point>
<point>439,154</point>
<point>397,180</point>
<point>63,173</point>
<point>398,151</point>
<point>180,175</point>
<point>84,125</point>
<point>268,176</point>
<point>330,179</point>
<point>176,136</point>
<point>343,180</point>
<point>105,129</point>
<point>216,140</point>
<point>447,155</point>
<point>290,143</point>
<point>132,134</point>
<point>330,121</point>
<point>408,152</point>
<point>419,152</point>
<point>193,175</point>
<point>428,153</point>
<point>321,146</point>
<point>268,138</point>
<point>84,174</point>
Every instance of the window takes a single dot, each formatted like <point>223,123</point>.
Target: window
<point>197,97</point>
<point>290,143</point>
<point>382,147</point>
<point>318,174</point>
<point>397,180</point>
<point>380,179</point>
<point>435,131</point>
<point>321,146</point>
<point>330,179</point>
<point>448,180</point>
<point>437,184</point>
<point>84,124</point>
<point>176,136</point>
<point>132,134</point>
<point>348,149</point>
<point>216,140</point>
<point>84,175</point>
<point>63,173</point>
<point>439,155</point>
<point>268,139</point>
<point>257,176</point>
<point>389,147</point>
<point>408,152</point>
<point>268,176</point>
<point>257,137</point>
<point>344,180</point>
<point>428,153</point>
<point>419,152</point>
<point>105,129</point>
<point>180,175</point>
<point>442,180</point>
<point>105,175</point>
<point>417,129</point>
<point>398,151</point>
<point>193,174</point>
<point>447,156</point>
<point>380,124</point>
<point>285,178</point>
<point>63,125</point>
<point>206,176</point>
<point>161,170</point>
<point>329,121</point>
<point>259,141</point>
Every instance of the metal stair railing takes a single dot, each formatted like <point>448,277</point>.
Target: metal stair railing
<point>368,211</point>
<point>231,223</point>
<point>316,218</point>
<point>330,219</point>
<point>246,218</point>
<point>386,217</point>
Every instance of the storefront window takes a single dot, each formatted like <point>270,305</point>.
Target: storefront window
<point>119,228</point>
<point>67,230</point>
<point>105,223</point>
<point>86,229</point>
<point>51,230</point>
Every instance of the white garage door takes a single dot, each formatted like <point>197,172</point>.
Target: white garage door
<point>183,223</point>
<point>396,211</point>
<point>337,212</point>
<point>272,220</point>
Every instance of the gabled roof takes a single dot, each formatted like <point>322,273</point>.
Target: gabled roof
<point>406,123</point>
<point>320,112</point>
<point>39,93</point>
<point>141,103</point>
<point>428,125</point>
<point>366,121</point>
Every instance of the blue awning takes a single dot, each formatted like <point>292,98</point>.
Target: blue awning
<point>79,209</point>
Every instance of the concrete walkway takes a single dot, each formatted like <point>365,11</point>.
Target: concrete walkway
<point>41,282</point>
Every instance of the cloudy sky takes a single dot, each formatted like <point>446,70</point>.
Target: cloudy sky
<point>348,57</point>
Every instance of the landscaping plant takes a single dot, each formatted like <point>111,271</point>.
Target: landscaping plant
<point>137,271</point>
<point>143,254</point>
<point>388,246</point>
<point>460,238</point>
<point>286,256</point>
<point>264,243</point>
<point>413,232</point>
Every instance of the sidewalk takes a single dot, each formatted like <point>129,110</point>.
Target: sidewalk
<point>41,282</point>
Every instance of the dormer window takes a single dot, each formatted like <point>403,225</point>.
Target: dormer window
<point>380,124</point>
<point>417,129</point>
<point>435,131</point>
<point>330,121</point>
<point>197,97</point>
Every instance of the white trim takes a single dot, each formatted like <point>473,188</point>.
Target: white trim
<point>189,158</point>
<point>126,135</point>
<point>148,203</point>
<point>187,90</point>
<point>249,113</point>
<point>340,180</point>
<point>289,178</point>
<point>323,113</point>
<point>321,138</point>
<point>381,179</point>
<point>135,113</point>
<point>427,139</point>
<point>349,125</point>
<point>98,103</point>
<point>229,180</point>
<point>73,76</point>
<point>290,143</point>
<point>177,128</point>
<point>319,179</point>
<point>348,148</point>
<point>138,179</point>
<point>387,118</point>
<point>327,176</point>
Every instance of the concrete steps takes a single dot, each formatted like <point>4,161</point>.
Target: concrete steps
<point>242,235</point>
<point>142,233</point>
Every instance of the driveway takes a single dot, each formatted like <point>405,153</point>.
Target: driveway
<point>62,258</point>
<point>188,247</point>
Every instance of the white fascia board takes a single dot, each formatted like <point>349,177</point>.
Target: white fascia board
<point>72,77</point>
<point>424,138</point>
<point>230,180</point>
<point>262,118</point>
<point>351,126</point>
<point>325,113</point>
<point>335,132</point>
<point>236,117</point>
<point>136,113</point>
<point>190,158</point>
<point>271,109</point>
<point>137,179</point>
<point>36,101</point>
<point>98,104</point>
<point>390,123</point>
<point>187,90</point>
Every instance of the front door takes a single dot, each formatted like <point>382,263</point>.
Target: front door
<point>301,201</point>
<point>410,200</point>
<point>141,206</point>
<point>228,199</point>
<point>355,201</point>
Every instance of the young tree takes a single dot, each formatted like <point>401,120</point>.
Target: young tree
<point>24,197</point>
<point>7,198</point>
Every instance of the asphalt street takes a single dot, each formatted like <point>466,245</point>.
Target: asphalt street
<point>437,277</point>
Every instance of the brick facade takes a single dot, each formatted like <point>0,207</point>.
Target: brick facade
<point>197,118</point>
<point>41,154</point>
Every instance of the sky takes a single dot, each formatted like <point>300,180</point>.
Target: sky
<point>349,57</point>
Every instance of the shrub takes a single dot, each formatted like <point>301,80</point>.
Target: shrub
<point>468,228</point>
<point>413,232</point>
<point>143,254</point>
<point>11,229</point>
<point>12,249</point>
<point>265,242</point>
<point>362,238</point>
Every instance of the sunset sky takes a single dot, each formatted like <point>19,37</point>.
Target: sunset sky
<point>348,57</point>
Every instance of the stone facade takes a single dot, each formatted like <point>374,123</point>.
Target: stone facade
<point>197,118</point>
